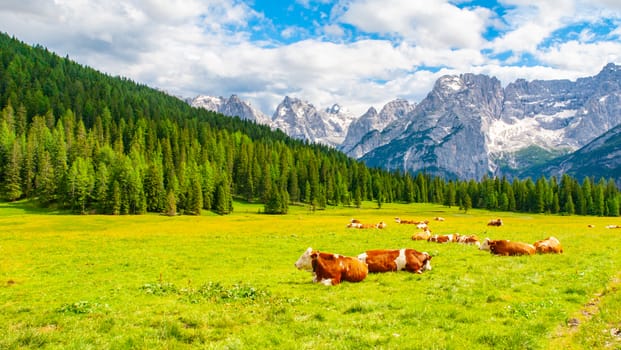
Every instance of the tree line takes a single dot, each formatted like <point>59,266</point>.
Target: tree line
<point>72,137</point>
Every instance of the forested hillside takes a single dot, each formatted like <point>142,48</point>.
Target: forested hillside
<point>75,138</point>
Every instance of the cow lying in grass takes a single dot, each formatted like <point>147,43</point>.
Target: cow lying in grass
<point>398,220</point>
<point>330,269</point>
<point>379,225</point>
<point>468,239</point>
<point>421,236</point>
<point>548,245</point>
<point>506,247</point>
<point>443,238</point>
<point>385,260</point>
<point>496,222</point>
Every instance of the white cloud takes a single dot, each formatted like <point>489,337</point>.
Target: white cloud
<point>436,23</point>
<point>577,56</point>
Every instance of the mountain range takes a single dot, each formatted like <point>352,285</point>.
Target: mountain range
<point>468,127</point>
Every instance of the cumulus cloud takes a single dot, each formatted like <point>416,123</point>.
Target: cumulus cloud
<point>437,23</point>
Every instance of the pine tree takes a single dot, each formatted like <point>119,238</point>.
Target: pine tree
<point>45,180</point>
<point>598,198</point>
<point>274,203</point>
<point>569,207</point>
<point>154,190</point>
<point>195,200</point>
<point>612,205</point>
<point>307,193</point>
<point>171,204</point>
<point>294,187</point>
<point>100,191</point>
<point>12,174</point>
<point>357,197</point>
<point>222,198</point>
<point>81,183</point>
<point>588,196</point>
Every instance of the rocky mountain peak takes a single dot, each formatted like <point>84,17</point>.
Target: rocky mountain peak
<point>233,106</point>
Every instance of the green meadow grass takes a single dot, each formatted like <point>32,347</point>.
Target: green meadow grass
<point>228,282</point>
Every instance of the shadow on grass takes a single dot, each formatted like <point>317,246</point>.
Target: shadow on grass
<point>30,207</point>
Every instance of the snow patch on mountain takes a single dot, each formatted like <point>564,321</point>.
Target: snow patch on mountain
<point>516,134</point>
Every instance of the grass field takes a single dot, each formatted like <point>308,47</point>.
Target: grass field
<point>228,282</point>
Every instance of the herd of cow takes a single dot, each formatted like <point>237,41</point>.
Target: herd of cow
<point>331,269</point>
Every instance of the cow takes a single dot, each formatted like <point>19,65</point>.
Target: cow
<point>613,226</point>
<point>367,226</point>
<point>422,236</point>
<point>330,269</point>
<point>469,239</point>
<point>496,222</point>
<point>386,260</point>
<point>453,237</point>
<point>422,226</point>
<point>410,222</point>
<point>354,225</point>
<point>548,245</point>
<point>380,225</point>
<point>590,226</point>
<point>438,218</point>
<point>506,247</point>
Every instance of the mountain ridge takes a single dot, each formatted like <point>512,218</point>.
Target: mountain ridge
<point>468,125</point>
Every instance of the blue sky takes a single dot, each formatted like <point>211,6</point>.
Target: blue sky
<point>358,53</point>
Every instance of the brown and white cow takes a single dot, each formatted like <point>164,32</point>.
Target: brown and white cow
<point>469,239</point>
<point>354,225</point>
<point>548,245</point>
<point>385,260</point>
<point>438,218</point>
<point>381,225</point>
<point>453,237</point>
<point>330,269</point>
<point>506,247</point>
<point>422,236</point>
<point>613,226</point>
<point>422,226</point>
<point>410,222</point>
<point>495,222</point>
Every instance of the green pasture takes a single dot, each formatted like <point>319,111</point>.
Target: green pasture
<point>228,282</point>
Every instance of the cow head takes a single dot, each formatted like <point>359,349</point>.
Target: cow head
<point>485,245</point>
<point>305,262</point>
<point>426,262</point>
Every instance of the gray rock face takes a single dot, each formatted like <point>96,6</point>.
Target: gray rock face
<point>555,115</point>
<point>469,126</point>
<point>301,120</point>
<point>445,134</point>
<point>233,106</point>
<point>601,158</point>
<point>367,127</point>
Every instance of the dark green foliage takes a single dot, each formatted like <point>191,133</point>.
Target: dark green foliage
<point>73,137</point>
<point>276,202</point>
<point>171,204</point>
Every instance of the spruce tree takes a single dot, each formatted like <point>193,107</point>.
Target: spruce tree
<point>274,203</point>
<point>12,174</point>
<point>171,203</point>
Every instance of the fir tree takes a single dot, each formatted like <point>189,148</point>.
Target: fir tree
<point>171,204</point>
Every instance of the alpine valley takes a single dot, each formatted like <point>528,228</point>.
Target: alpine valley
<point>469,127</point>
